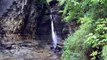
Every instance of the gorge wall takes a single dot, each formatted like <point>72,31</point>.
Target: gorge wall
<point>25,27</point>
<point>30,19</point>
<point>20,16</point>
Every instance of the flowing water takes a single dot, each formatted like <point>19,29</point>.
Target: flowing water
<point>54,36</point>
<point>53,18</point>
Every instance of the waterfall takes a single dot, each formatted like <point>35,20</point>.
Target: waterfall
<point>54,36</point>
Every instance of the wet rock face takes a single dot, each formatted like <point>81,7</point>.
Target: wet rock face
<point>56,17</point>
<point>24,20</point>
<point>5,4</point>
<point>21,20</point>
<point>12,20</point>
<point>19,16</point>
<point>29,17</point>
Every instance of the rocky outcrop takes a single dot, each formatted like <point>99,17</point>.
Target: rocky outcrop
<point>5,4</point>
<point>12,20</point>
<point>26,25</point>
<point>20,17</point>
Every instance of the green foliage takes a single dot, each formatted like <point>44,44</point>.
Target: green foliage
<point>48,1</point>
<point>75,42</point>
<point>92,34</point>
<point>71,12</point>
<point>98,38</point>
<point>94,54</point>
<point>61,2</point>
<point>104,52</point>
<point>75,9</point>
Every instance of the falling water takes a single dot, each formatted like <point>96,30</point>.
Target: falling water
<point>54,36</point>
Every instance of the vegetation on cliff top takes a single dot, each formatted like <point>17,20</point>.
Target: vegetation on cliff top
<point>89,42</point>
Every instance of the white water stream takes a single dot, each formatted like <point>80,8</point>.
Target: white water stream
<point>54,36</point>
